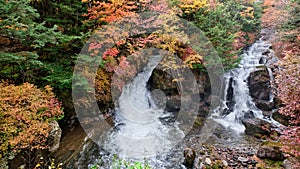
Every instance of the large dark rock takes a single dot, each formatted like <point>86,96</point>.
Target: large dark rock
<point>164,82</point>
<point>280,118</point>
<point>264,105</point>
<point>259,85</point>
<point>260,90</point>
<point>229,98</point>
<point>248,115</point>
<point>270,152</point>
<point>255,126</point>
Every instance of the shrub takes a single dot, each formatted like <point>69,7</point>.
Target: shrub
<point>25,112</point>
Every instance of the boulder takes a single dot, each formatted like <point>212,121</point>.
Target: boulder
<point>173,103</point>
<point>248,115</point>
<point>229,97</point>
<point>54,136</point>
<point>291,163</point>
<point>259,85</point>
<point>264,105</point>
<point>280,118</point>
<point>270,152</point>
<point>256,126</point>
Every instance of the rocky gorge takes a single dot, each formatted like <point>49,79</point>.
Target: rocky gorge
<point>220,150</point>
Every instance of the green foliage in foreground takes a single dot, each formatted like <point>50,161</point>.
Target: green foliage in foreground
<point>122,164</point>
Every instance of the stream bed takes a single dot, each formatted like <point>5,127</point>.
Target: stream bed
<point>140,134</point>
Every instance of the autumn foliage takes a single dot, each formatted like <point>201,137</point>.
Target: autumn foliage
<point>25,112</point>
<point>289,92</point>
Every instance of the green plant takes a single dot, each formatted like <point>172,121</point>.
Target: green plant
<point>20,67</point>
<point>123,164</point>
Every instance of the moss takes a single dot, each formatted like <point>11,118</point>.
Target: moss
<point>272,143</point>
<point>198,122</point>
<point>273,164</point>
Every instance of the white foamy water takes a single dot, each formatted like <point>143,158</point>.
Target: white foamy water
<point>252,60</point>
<point>141,134</point>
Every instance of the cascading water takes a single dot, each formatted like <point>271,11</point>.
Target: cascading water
<point>140,132</point>
<point>237,102</point>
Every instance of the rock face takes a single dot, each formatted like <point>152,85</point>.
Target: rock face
<point>163,81</point>
<point>256,126</point>
<point>260,89</point>
<point>270,152</point>
<point>280,118</point>
<point>54,136</point>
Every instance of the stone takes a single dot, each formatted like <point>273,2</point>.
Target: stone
<point>259,85</point>
<point>250,153</point>
<point>260,89</point>
<point>225,164</point>
<point>262,60</point>
<point>270,152</point>
<point>264,105</point>
<point>229,98</point>
<point>54,136</point>
<point>253,162</point>
<point>242,159</point>
<point>189,157</point>
<point>173,103</point>
<point>291,163</point>
<point>256,126</point>
<point>249,114</point>
<point>207,161</point>
<point>280,118</point>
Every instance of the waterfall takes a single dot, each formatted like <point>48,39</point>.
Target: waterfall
<point>237,102</point>
<point>140,133</point>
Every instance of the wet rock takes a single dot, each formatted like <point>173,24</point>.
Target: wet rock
<point>266,52</point>
<point>270,152</point>
<point>262,60</point>
<point>291,163</point>
<point>255,126</point>
<point>267,113</point>
<point>277,102</point>
<point>189,157</point>
<point>207,161</point>
<point>259,85</point>
<point>173,103</point>
<point>54,136</point>
<point>264,105</point>
<point>281,118</point>
<point>230,102</point>
<point>249,114</point>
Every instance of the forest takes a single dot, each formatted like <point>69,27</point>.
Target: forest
<point>79,81</point>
